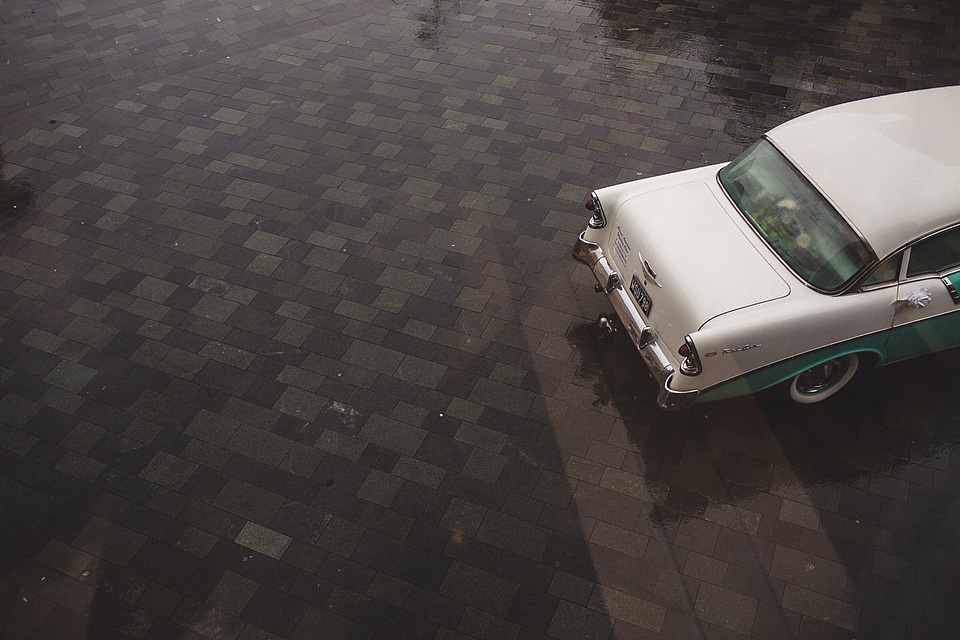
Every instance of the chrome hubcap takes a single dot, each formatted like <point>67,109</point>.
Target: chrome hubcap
<point>821,377</point>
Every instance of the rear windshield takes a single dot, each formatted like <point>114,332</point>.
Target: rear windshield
<point>798,223</point>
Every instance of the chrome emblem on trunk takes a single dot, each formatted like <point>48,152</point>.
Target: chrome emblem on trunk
<point>648,272</point>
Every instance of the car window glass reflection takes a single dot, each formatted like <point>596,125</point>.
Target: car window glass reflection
<point>798,223</point>
<point>936,254</point>
<point>888,271</point>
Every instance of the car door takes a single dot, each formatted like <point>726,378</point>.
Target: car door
<point>927,317</point>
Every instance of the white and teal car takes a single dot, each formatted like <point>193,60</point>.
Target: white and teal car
<point>831,244</point>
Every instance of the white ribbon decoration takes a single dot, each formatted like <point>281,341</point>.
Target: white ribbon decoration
<point>915,299</point>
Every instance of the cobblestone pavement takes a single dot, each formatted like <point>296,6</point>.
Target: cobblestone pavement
<point>292,346</point>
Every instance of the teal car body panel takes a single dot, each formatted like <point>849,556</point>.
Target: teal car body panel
<point>902,343</point>
<point>782,371</point>
<point>927,336</point>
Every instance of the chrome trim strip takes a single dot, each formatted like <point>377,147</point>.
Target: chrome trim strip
<point>952,289</point>
<point>641,334</point>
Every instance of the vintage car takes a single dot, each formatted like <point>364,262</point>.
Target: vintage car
<point>831,244</point>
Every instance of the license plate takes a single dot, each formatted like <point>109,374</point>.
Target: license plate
<point>641,296</point>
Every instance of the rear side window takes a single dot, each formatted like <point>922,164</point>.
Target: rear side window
<point>888,271</point>
<point>935,254</point>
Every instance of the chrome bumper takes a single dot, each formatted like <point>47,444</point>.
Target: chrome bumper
<point>641,334</point>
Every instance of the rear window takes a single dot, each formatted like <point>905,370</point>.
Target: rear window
<point>798,223</point>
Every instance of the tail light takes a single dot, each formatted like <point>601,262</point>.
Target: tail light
<point>691,361</point>
<point>598,221</point>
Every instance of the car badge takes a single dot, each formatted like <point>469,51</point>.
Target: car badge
<point>648,272</point>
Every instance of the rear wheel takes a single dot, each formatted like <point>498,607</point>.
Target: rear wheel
<point>822,381</point>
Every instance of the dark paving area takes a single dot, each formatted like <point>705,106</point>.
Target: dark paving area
<point>292,346</point>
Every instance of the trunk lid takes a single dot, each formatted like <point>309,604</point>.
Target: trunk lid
<point>680,247</point>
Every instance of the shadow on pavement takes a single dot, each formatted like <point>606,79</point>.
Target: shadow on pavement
<point>855,497</point>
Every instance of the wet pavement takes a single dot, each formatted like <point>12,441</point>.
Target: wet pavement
<point>292,346</point>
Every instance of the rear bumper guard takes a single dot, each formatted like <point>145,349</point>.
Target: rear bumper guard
<point>641,334</point>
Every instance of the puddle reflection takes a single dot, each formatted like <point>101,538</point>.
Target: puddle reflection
<point>16,197</point>
<point>733,453</point>
<point>757,65</point>
<point>433,21</point>
<point>431,24</point>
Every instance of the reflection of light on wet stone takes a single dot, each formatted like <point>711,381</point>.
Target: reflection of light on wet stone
<point>263,540</point>
<point>210,285</point>
<point>347,415</point>
<point>16,196</point>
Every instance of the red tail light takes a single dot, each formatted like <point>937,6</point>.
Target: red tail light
<point>598,221</point>
<point>691,360</point>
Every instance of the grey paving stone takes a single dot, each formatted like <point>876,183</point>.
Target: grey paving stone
<point>109,541</point>
<point>574,621</point>
<point>293,297</point>
<point>168,470</point>
<point>248,501</point>
<point>266,541</point>
<point>726,609</point>
<point>509,533</point>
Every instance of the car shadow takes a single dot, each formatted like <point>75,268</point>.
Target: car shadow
<point>862,483</point>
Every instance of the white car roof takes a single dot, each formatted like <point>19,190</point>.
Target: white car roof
<point>890,164</point>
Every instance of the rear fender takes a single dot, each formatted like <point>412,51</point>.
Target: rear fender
<point>779,372</point>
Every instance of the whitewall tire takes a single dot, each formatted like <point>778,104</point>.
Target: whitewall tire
<point>822,381</point>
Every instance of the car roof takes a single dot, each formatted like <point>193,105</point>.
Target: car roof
<point>890,164</point>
